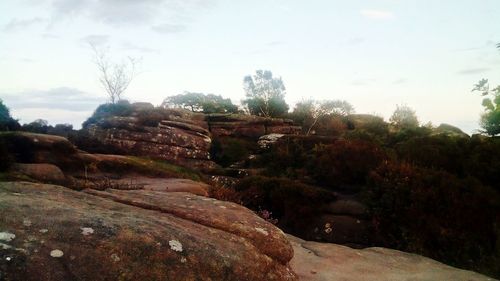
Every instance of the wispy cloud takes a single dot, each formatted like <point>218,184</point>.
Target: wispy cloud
<point>17,24</point>
<point>64,98</point>
<point>119,12</point>
<point>133,47</point>
<point>95,39</point>
<point>377,14</point>
<point>399,81</point>
<point>167,28</point>
<point>472,71</point>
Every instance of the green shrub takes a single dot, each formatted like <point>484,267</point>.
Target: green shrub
<point>121,108</point>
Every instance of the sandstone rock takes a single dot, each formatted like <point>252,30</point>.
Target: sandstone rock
<point>47,173</point>
<point>450,130</point>
<point>147,236</point>
<point>248,126</point>
<point>266,141</point>
<point>314,261</point>
<point>167,185</point>
<point>185,142</point>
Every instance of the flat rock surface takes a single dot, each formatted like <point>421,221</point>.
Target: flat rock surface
<point>167,185</point>
<point>315,261</point>
<point>49,232</point>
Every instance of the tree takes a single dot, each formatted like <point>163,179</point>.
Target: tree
<point>7,123</point>
<point>310,111</point>
<point>404,117</point>
<point>198,102</point>
<point>490,118</point>
<point>265,94</point>
<point>114,77</point>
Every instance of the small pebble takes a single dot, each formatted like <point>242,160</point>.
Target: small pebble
<point>56,253</point>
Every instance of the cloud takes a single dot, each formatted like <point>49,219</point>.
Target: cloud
<point>472,71</point>
<point>167,28</point>
<point>399,81</point>
<point>133,47</point>
<point>63,98</point>
<point>355,41</point>
<point>119,12</point>
<point>17,24</point>
<point>377,14</point>
<point>95,39</point>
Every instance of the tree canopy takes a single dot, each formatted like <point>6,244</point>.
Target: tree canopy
<point>265,94</point>
<point>308,112</point>
<point>404,117</point>
<point>7,123</point>
<point>199,102</point>
<point>490,118</point>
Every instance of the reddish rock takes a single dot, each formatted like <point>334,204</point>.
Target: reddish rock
<point>53,233</point>
<point>166,185</point>
<point>42,172</point>
<point>315,261</point>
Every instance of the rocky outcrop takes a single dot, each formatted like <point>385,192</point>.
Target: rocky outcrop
<point>314,261</point>
<point>52,233</point>
<point>248,126</point>
<point>41,172</point>
<point>179,142</point>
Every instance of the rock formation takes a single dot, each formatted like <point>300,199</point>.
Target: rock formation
<point>314,261</point>
<point>248,126</point>
<point>53,233</point>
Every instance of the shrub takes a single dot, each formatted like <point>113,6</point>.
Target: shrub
<point>436,214</point>
<point>121,108</point>
<point>293,204</point>
<point>227,151</point>
<point>345,162</point>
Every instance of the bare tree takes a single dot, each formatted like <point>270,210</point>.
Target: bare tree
<point>114,77</point>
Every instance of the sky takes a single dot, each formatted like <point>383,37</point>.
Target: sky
<point>375,54</point>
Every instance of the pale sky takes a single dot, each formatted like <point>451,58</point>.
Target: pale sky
<point>375,54</point>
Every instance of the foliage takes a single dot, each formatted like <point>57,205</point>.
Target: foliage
<point>198,102</point>
<point>38,126</point>
<point>309,112</point>
<point>7,123</point>
<point>288,201</point>
<point>436,214</point>
<point>265,94</point>
<point>345,162</point>
<point>227,151</point>
<point>490,118</point>
<point>121,108</point>
<point>404,117</point>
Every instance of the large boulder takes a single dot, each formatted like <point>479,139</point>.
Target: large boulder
<point>52,233</point>
<point>315,261</point>
<point>42,172</point>
<point>178,141</point>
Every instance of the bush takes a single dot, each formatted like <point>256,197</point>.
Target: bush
<point>121,108</point>
<point>293,204</point>
<point>436,214</point>
<point>227,151</point>
<point>345,162</point>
